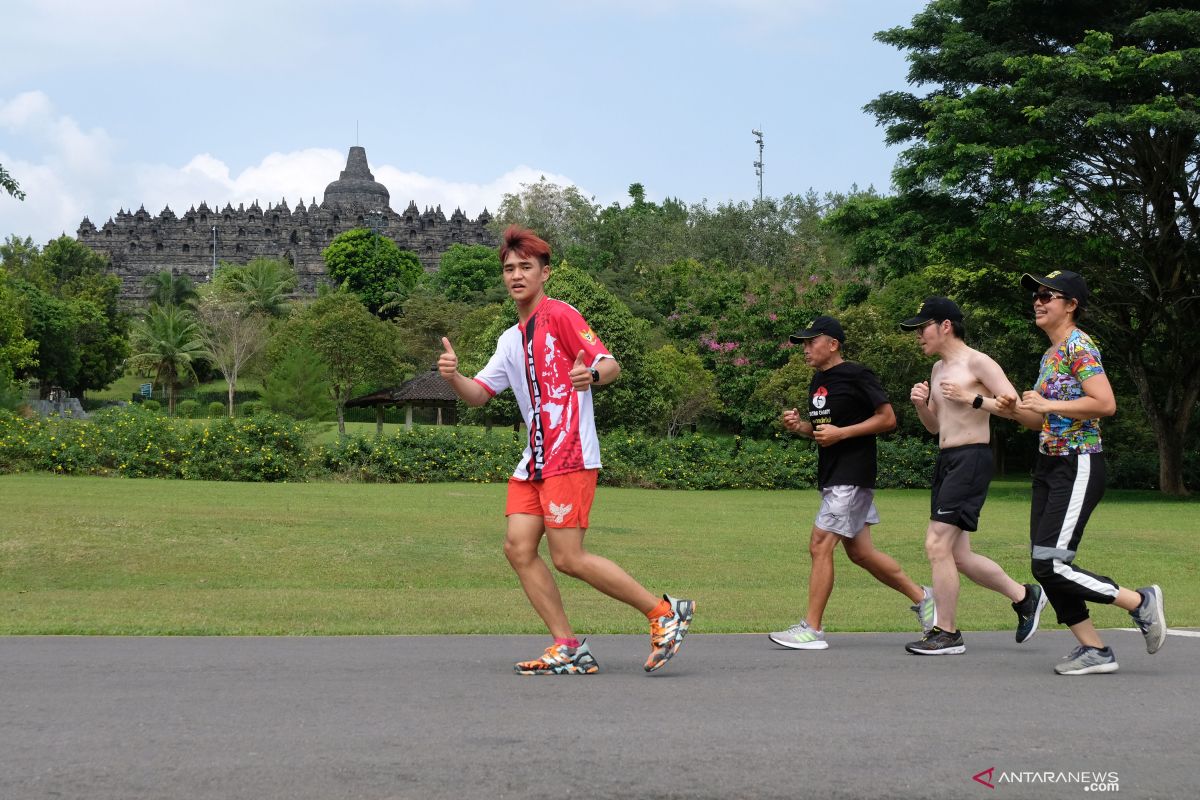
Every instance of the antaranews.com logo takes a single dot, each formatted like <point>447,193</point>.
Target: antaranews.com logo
<point>1089,781</point>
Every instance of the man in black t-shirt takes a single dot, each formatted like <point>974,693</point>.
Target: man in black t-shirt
<point>847,407</point>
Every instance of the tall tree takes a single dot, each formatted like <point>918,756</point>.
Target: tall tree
<point>559,214</point>
<point>372,266</point>
<point>232,333</point>
<point>1067,135</point>
<point>356,347</point>
<point>167,343</point>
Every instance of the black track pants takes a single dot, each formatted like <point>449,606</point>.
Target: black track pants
<point>1065,491</point>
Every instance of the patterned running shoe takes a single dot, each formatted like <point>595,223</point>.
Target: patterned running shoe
<point>1029,612</point>
<point>1084,660</point>
<point>1150,618</point>
<point>800,636</point>
<point>666,633</point>
<point>559,660</point>
<point>926,611</point>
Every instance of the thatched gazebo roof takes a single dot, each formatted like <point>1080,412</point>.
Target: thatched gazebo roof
<point>426,390</point>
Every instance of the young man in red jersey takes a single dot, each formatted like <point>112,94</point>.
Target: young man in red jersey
<point>551,359</point>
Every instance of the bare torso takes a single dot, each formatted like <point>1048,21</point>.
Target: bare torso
<point>958,422</point>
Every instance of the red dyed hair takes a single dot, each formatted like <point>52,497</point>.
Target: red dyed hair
<point>525,243</point>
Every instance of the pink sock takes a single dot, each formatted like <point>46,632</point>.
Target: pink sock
<point>571,643</point>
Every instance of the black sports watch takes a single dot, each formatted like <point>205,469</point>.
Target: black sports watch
<point>595,375</point>
<point>977,402</point>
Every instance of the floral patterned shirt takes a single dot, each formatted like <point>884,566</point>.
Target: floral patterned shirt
<point>1061,377</point>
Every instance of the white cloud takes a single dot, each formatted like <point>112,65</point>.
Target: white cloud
<point>80,173</point>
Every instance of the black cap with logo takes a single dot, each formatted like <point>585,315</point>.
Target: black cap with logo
<point>934,309</point>
<point>1069,283</point>
<point>821,325</point>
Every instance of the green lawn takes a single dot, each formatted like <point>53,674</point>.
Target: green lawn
<point>117,556</point>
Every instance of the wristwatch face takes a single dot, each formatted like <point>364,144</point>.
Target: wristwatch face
<point>595,375</point>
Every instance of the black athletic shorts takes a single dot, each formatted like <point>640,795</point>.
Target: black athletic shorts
<point>960,485</point>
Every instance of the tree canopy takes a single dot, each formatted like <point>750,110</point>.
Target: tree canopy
<point>1060,136</point>
<point>372,266</point>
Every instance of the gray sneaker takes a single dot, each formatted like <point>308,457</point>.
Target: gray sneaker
<point>1084,660</point>
<point>800,637</point>
<point>926,611</point>
<point>1150,618</point>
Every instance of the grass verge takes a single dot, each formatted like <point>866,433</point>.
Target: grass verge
<point>82,555</point>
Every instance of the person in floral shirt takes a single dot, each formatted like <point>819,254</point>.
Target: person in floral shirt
<point>1071,395</point>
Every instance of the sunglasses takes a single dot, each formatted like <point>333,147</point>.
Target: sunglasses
<point>1044,296</point>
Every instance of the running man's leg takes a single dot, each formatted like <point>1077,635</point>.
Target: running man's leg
<point>882,567</point>
<point>941,540</point>
<point>521,549</point>
<point>983,571</point>
<point>820,575</point>
<point>571,558</point>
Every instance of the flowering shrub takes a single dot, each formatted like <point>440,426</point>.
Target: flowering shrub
<point>144,444</point>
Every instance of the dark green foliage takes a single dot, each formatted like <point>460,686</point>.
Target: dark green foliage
<point>470,274</point>
<point>298,385</point>
<point>372,267</point>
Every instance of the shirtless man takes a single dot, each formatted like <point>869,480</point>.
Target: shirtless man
<point>955,403</point>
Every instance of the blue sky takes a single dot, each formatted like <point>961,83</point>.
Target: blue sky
<point>121,103</point>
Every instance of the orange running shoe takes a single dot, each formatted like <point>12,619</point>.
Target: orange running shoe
<point>559,660</point>
<point>667,632</point>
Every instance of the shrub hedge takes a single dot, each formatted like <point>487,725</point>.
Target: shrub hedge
<point>137,442</point>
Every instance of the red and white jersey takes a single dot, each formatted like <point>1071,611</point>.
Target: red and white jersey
<point>535,361</point>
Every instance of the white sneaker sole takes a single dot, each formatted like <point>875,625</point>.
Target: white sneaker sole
<point>945,651</point>
<point>1153,645</point>
<point>1098,669</point>
<point>814,645</point>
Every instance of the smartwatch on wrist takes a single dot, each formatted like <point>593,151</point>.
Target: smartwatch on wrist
<point>595,375</point>
<point>977,402</point>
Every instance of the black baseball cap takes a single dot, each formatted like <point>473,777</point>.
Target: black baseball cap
<point>934,309</point>
<point>821,325</point>
<point>1069,283</point>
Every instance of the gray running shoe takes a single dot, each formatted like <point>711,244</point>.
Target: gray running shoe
<point>938,643</point>
<point>926,611</point>
<point>1150,618</point>
<point>800,637</point>
<point>1084,660</point>
<point>1029,612</point>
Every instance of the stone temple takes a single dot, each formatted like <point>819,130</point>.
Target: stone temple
<point>140,245</point>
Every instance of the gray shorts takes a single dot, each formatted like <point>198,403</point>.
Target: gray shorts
<point>846,509</point>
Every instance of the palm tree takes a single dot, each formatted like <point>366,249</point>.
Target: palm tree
<point>166,342</point>
<point>264,284</point>
<point>167,289</point>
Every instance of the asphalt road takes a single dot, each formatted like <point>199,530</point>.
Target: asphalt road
<point>730,717</point>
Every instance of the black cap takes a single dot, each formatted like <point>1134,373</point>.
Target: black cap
<point>821,325</point>
<point>1069,283</point>
<point>933,309</point>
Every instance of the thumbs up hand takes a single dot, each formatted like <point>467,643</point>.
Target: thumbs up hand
<point>580,374</point>
<point>447,362</point>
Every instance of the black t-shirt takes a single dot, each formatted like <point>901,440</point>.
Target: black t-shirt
<point>844,395</point>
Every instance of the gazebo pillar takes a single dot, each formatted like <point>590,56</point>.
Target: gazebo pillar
<point>408,417</point>
<point>378,422</point>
